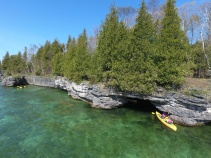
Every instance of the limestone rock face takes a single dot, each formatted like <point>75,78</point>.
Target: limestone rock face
<point>11,81</point>
<point>41,81</point>
<point>184,110</point>
<point>1,75</point>
<point>98,98</point>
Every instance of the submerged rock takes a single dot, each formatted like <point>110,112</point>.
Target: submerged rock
<point>184,110</point>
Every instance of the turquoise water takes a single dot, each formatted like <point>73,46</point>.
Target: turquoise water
<point>38,122</point>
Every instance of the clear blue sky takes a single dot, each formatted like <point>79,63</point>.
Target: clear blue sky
<point>27,22</point>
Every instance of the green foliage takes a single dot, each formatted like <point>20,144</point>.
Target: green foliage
<point>111,49</point>
<point>38,59</point>
<point>56,47</point>
<point>142,69</point>
<point>67,63</point>
<point>47,58</point>
<point>172,47</point>
<point>25,54</point>
<point>57,64</point>
<point>69,41</point>
<point>0,66</point>
<point>44,58</point>
<point>76,63</point>
<point>119,58</point>
<point>14,64</point>
<point>199,60</point>
<point>124,57</point>
<point>133,59</point>
<point>107,46</point>
<point>82,58</point>
<point>5,61</point>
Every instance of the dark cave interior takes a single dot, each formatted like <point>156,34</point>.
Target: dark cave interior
<point>140,105</point>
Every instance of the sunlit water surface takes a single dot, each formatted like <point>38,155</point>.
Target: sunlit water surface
<point>38,122</point>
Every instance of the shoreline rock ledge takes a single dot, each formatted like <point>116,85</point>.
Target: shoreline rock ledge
<point>185,110</point>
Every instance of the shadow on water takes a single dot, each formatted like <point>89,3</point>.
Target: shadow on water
<point>208,124</point>
<point>140,105</point>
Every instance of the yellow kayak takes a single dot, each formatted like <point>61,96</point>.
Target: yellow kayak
<point>20,87</point>
<point>172,126</point>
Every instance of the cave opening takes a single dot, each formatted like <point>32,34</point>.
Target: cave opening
<point>140,105</point>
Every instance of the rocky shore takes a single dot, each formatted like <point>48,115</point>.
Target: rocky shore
<point>1,75</point>
<point>185,110</point>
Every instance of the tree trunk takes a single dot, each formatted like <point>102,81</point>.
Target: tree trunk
<point>203,49</point>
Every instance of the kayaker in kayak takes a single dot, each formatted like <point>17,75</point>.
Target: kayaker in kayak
<point>169,121</point>
<point>163,116</point>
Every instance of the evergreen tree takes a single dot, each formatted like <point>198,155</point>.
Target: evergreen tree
<point>20,64</point>
<point>132,65</point>
<point>25,54</point>
<point>142,70</point>
<point>38,59</point>
<point>56,47</point>
<point>6,62</point>
<point>57,64</point>
<point>0,66</point>
<point>67,67</point>
<point>173,45</point>
<point>69,40</point>
<point>16,65</point>
<point>119,74</point>
<point>47,57</point>
<point>12,68</point>
<point>108,50</point>
<point>56,57</point>
<point>199,60</point>
<point>81,59</point>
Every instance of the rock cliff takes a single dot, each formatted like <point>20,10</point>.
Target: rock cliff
<point>12,81</point>
<point>185,110</point>
<point>1,75</point>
